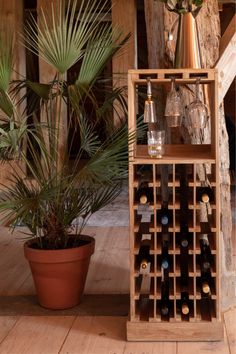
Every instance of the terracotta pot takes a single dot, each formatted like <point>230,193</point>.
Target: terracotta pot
<point>60,275</point>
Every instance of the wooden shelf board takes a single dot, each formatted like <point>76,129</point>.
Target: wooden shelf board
<point>185,153</point>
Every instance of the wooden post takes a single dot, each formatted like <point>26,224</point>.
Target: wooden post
<point>124,16</point>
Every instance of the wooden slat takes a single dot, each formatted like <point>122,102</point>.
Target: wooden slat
<point>230,325</point>
<point>34,335</point>
<point>181,75</point>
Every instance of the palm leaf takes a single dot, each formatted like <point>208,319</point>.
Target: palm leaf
<point>60,36</point>
<point>11,139</point>
<point>110,162</point>
<point>6,104</point>
<point>101,47</point>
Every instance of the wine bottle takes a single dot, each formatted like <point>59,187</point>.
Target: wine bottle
<point>206,256</point>
<point>184,191</point>
<point>164,217</point>
<point>165,244</point>
<point>206,278</point>
<point>144,228</point>
<point>144,193</point>
<point>205,245</point>
<point>165,303</point>
<point>144,256</point>
<point>205,195</point>
<point>185,303</point>
<point>144,307</point>
<point>184,250</point>
<point>165,262</point>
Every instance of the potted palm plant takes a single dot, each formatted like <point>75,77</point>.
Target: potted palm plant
<point>51,196</point>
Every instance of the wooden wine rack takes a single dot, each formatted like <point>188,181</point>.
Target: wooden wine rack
<point>147,324</point>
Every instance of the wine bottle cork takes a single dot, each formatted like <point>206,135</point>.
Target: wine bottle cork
<point>185,309</point>
<point>205,198</point>
<point>144,264</point>
<point>205,288</point>
<point>143,199</point>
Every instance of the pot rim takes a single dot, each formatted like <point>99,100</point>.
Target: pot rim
<point>60,255</point>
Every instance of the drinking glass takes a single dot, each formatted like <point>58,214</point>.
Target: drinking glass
<point>156,141</point>
<point>173,109</point>
<point>197,111</point>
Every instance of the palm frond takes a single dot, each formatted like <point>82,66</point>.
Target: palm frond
<point>11,139</point>
<point>89,139</point>
<point>5,103</point>
<point>110,162</point>
<point>100,48</point>
<point>60,36</point>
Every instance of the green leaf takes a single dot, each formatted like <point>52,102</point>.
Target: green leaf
<point>6,104</point>
<point>42,90</point>
<point>100,48</point>
<point>60,35</point>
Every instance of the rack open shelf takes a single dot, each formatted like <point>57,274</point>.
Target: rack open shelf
<point>158,311</point>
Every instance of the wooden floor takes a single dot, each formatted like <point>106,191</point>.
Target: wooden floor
<point>96,335</point>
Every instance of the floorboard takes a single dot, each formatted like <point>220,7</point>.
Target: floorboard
<point>6,324</point>
<point>230,325</point>
<point>96,335</point>
<point>150,348</point>
<point>204,347</point>
<point>37,335</point>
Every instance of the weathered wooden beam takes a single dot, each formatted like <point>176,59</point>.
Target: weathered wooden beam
<point>226,65</point>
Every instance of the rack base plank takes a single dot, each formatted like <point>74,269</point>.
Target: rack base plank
<point>143,331</point>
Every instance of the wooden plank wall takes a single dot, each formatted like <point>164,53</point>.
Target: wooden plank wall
<point>124,15</point>
<point>11,12</point>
